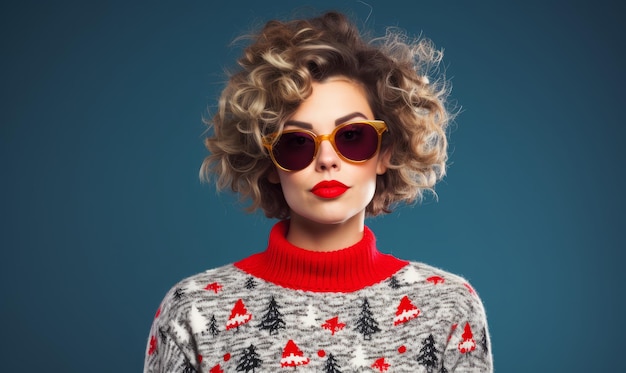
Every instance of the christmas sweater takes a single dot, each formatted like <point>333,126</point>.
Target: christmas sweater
<point>351,310</point>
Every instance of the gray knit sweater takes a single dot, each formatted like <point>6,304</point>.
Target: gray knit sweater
<point>352,310</point>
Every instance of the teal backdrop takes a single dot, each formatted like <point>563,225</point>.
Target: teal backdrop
<point>101,142</point>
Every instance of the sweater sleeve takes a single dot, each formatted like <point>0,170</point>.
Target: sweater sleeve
<point>170,346</point>
<point>468,348</point>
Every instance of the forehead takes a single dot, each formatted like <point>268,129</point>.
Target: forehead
<point>335,99</point>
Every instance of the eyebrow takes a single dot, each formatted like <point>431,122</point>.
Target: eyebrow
<point>338,121</point>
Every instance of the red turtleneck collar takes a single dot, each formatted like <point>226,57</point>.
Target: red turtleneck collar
<point>343,271</point>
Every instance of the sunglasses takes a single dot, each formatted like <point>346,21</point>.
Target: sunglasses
<point>354,141</point>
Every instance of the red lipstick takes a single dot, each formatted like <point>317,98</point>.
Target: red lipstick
<point>329,189</point>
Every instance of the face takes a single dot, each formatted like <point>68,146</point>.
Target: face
<point>330,190</point>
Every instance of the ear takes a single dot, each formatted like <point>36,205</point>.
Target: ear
<point>272,176</point>
<point>383,161</point>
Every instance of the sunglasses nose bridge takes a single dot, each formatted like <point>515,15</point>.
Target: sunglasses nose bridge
<point>320,138</point>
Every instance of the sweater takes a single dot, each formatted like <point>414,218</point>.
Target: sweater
<point>351,310</point>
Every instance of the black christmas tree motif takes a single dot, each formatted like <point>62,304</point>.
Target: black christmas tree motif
<point>331,365</point>
<point>366,324</point>
<point>212,327</point>
<point>273,319</point>
<point>428,354</point>
<point>178,294</point>
<point>250,283</point>
<point>394,283</point>
<point>249,361</point>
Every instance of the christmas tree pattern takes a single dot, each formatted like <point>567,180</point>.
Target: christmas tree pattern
<point>394,283</point>
<point>406,311</point>
<point>333,325</point>
<point>428,354</point>
<point>331,365</point>
<point>197,321</point>
<point>411,275</point>
<point>381,365</point>
<point>292,356</point>
<point>273,319</point>
<point>359,359</point>
<point>436,280</point>
<point>214,287</point>
<point>366,324</point>
<point>468,344</point>
<point>250,283</point>
<point>178,294</point>
<point>249,360</point>
<point>310,319</point>
<point>238,316</point>
<point>212,327</point>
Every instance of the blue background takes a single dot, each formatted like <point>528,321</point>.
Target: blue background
<point>102,210</point>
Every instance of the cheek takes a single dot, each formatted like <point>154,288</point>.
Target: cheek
<point>290,185</point>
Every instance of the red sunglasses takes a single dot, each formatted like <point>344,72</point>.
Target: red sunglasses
<point>354,141</point>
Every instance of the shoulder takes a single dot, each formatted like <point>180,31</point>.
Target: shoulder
<point>442,287</point>
<point>202,288</point>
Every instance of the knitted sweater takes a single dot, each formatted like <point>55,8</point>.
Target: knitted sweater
<point>351,310</point>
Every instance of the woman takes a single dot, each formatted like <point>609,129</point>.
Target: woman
<point>319,129</point>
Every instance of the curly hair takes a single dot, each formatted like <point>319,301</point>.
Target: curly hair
<point>275,74</point>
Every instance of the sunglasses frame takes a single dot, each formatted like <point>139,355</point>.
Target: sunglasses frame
<point>378,125</point>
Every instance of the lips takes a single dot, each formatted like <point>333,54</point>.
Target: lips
<point>329,189</point>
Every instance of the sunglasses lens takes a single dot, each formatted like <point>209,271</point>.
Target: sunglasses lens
<point>294,150</point>
<point>357,142</point>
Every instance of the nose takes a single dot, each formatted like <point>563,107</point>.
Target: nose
<point>327,158</point>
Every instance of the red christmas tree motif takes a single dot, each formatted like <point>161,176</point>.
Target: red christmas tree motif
<point>216,369</point>
<point>214,286</point>
<point>468,344</point>
<point>436,280</point>
<point>292,356</point>
<point>470,288</point>
<point>200,358</point>
<point>238,316</point>
<point>406,311</point>
<point>153,345</point>
<point>381,365</point>
<point>333,325</point>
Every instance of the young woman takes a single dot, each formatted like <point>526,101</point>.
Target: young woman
<point>319,129</point>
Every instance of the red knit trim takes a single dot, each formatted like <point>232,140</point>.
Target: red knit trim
<point>342,271</point>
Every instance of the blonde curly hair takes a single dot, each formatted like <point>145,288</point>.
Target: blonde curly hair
<point>275,75</point>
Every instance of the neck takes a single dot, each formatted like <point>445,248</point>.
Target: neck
<point>345,270</point>
<point>315,236</point>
